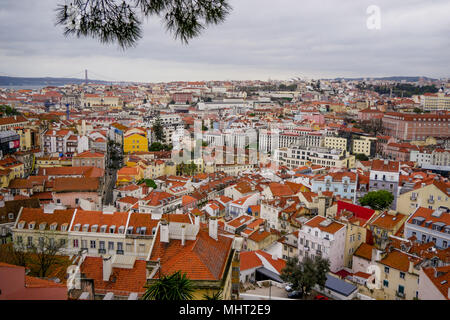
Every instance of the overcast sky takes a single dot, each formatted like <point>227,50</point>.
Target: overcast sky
<point>260,39</point>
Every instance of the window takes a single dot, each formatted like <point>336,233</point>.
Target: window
<point>84,244</point>
<point>129,247</point>
<point>75,243</point>
<point>102,245</point>
<point>19,239</point>
<point>386,283</point>
<point>30,241</point>
<point>62,242</point>
<point>402,275</point>
<point>110,245</point>
<point>93,243</point>
<point>401,289</point>
<point>386,269</point>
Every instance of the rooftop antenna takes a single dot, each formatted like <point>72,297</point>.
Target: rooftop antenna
<point>86,76</point>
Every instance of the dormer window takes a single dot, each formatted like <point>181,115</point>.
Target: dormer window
<point>86,227</point>
<point>112,229</point>
<point>21,224</point>
<point>77,227</point>
<point>121,229</point>
<point>53,226</point>
<point>143,231</point>
<point>130,230</point>
<point>11,216</point>
<point>31,225</point>
<point>103,228</point>
<point>64,227</point>
<point>42,225</point>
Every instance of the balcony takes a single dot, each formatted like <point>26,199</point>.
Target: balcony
<point>431,201</point>
<point>400,294</point>
<point>101,251</point>
<point>119,251</point>
<point>413,198</point>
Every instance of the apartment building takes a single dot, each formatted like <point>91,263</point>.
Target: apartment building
<point>404,126</point>
<point>301,156</point>
<point>335,143</point>
<point>435,102</point>
<point>429,194</point>
<point>430,225</point>
<point>320,236</point>
<point>385,175</point>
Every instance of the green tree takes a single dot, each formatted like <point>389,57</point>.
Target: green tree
<point>213,296</point>
<point>158,129</point>
<point>156,146</point>
<point>175,286</point>
<point>304,275</point>
<point>377,200</point>
<point>204,144</point>
<point>417,110</point>
<point>361,157</point>
<point>148,183</point>
<point>8,111</point>
<point>120,21</point>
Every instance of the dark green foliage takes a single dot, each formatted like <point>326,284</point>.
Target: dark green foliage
<point>215,296</point>
<point>400,89</point>
<point>306,274</point>
<point>170,287</point>
<point>158,146</point>
<point>8,111</point>
<point>120,21</point>
<point>158,129</point>
<point>377,200</point>
<point>361,157</point>
<point>148,183</point>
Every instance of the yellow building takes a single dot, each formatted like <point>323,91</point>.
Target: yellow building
<point>51,162</point>
<point>5,177</point>
<point>135,140</point>
<point>362,145</point>
<point>17,168</point>
<point>432,195</point>
<point>435,101</point>
<point>399,279</point>
<point>335,143</point>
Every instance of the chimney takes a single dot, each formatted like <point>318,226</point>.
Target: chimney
<point>45,172</point>
<point>197,220</point>
<point>183,235</point>
<point>164,231</point>
<point>107,268</point>
<point>213,227</point>
<point>274,256</point>
<point>411,266</point>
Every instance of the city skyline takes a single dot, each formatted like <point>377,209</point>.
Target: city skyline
<point>277,42</point>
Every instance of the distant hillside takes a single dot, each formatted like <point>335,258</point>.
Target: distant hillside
<point>17,81</point>
<point>394,78</point>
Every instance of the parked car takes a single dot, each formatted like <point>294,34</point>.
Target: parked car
<point>294,294</point>
<point>288,287</point>
<point>320,297</point>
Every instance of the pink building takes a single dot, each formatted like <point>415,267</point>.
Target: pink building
<point>323,237</point>
<point>370,114</point>
<point>15,285</point>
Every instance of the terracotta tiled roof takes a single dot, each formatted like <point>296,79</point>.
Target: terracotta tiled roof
<point>201,259</point>
<point>388,221</point>
<point>38,216</point>
<point>364,251</point>
<point>76,184</point>
<point>121,282</point>
<point>398,260</point>
<point>332,228</point>
<point>440,277</point>
<point>99,218</point>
